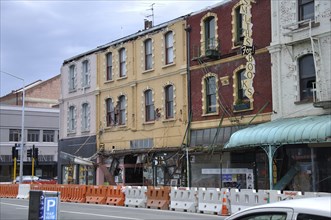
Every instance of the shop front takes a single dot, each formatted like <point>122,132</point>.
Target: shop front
<point>291,154</point>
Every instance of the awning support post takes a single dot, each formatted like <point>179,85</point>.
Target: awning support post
<point>270,156</point>
<point>270,151</point>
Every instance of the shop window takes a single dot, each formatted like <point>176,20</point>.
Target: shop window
<point>122,63</point>
<point>306,10</point>
<point>148,54</point>
<point>109,73</point>
<point>169,47</point>
<point>307,77</point>
<point>169,101</point>
<point>149,106</point>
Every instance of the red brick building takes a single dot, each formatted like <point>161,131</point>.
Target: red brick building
<point>229,87</point>
<point>43,94</point>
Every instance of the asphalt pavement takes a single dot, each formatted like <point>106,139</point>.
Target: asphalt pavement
<point>18,209</point>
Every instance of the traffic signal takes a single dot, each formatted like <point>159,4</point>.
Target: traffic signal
<point>35,153</point>
<point>14,152</point>
<point>29,153</point>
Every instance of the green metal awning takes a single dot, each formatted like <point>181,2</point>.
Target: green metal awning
<point>305,130</point>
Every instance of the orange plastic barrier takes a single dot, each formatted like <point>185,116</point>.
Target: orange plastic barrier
<point>96,194</point>
<point>64,192</point>
<point>3,190</point>
<point>77,193</point>
<point>158,197</point>
<point>115,196</point>
<point>8,190</point>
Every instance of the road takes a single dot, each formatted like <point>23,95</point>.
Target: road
<point>15,209</point>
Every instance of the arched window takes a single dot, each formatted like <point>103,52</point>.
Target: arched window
<point>239,33</point>
<point>169,101</point>
<point>109,73</point>
<point>307,76</point>
<point>85,117</point>
<point>122,110</point>
<point>85,75</point>
<point>72,78</point>
<point>71,118</point>
<point>149,106</point>
<point>122,59</point>
<point>148,54</point>
<point>210,83</point>
<point>169,47</point>
<point>241,85</point>
<point>110,116</point>
<point>210,41</point>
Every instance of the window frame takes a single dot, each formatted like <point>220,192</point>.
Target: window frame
<point>148,46</point>
<point>109,69</point>
<point>122,63</point>
<point>239,38</point>
<point>72,78</point>
<point>85,70</point>
<point>110,112</point>
<point>209,25</point>
<point>169,48</point>
<point>15,134</point>
<point>149,106</point>
<point>85,116</point>
<point>302,4</point>
<point>169,102</point>
<point>71,118</point>
<point>33,135</point>
<point>210,96</point>
<point>240,90</point>
<point>122,110</point>
<point>305,77</point>
<point>48,135</point>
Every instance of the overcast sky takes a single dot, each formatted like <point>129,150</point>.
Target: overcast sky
<point>36,36</point>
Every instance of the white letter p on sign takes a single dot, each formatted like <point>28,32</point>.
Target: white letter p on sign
<point>50,204</point>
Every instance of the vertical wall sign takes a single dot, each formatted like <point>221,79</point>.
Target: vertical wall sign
<point>247,49</point>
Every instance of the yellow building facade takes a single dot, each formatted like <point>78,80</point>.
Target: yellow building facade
<point>142,104</point>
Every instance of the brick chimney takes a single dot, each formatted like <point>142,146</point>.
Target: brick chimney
<point>148,24</point>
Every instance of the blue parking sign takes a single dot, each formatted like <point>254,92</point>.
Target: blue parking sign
<point>50,208</point>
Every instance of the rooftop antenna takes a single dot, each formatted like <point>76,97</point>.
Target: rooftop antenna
<point>151,15</point>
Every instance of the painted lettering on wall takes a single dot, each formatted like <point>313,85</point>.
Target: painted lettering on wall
<point>248,49</point>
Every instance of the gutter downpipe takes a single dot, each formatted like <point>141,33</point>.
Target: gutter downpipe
<point>188,30</point>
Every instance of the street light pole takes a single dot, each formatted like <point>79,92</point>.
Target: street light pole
<point>22,128</point>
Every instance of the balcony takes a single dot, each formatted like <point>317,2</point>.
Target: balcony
<point>207,50</point>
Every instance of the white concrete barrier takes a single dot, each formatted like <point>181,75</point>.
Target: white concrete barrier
<point>183,199</point>
<point>242,199</point>
<point>23,191</point>
<point>135,196</point>
<point>210,200</point>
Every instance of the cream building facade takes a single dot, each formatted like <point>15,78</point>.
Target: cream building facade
<point>142,104</point>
